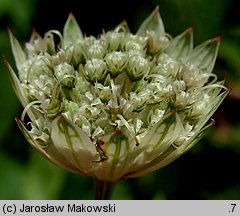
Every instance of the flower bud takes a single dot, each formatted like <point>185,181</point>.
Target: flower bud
<point>132,45</point>
<point>156,43</point>
<point>138,67</point>
<point>104,92</point>
<point>114,40</point>
<point>65,73</point>
<point>95,70</point>
<point>50,43</point>
<point>116,62</point>
<point>41,87</point>
<point>97,49</point>
<point>54,108</point>
<point>40,66</point>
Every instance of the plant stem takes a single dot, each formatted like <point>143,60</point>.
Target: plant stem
<point>103,189</point>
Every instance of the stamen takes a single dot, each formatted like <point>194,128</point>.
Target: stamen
<point>214,78</point>
<point>56,33</point>
<point>28,107</point>
<point>54,91</point>
<point>214,86</point>
<point>114,94</point>
<point>130,129</point>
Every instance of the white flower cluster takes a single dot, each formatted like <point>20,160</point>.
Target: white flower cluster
<point>136,102</point>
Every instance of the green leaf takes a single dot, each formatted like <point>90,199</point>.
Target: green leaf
<point>152,23</point>
<point>71,31</point>
<point>181,46</point>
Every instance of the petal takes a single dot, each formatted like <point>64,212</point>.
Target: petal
<point>73,144</point>
<point>204,56</point>
<point>18,53</point>
<point>71,31</point>
<point>152,23</point>
<point>181,46</point>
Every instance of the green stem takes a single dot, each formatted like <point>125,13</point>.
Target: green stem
<point>103,189</point>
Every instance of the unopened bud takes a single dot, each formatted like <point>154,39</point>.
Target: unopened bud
<point>116,62</point>
<point>54,108</point>
<point>65,74</point>
<point>96,50</point>
<point>138,67</point>
<point>95,70</point>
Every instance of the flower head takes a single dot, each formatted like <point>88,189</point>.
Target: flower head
<point>117,106</point>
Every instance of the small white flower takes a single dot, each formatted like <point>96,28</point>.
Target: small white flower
<point>116,62</point>
<point>117,106</point>
<point>95,70</point>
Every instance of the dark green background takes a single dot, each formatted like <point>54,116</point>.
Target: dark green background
<point>209,171</point>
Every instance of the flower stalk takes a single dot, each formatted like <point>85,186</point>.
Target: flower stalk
<point>103,189</point>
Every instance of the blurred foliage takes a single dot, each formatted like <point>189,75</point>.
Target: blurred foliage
<point>208,171</point>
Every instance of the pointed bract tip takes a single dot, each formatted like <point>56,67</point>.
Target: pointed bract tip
<point>34,32</point>
<point>19,122</point>
<point>156,12</point>
<point>8,66</point>
<point>152,23</point>
<point>6,62</point>
<point>190,29</point>
<point>123,26</point>
<point>219,38</point>
<point>71,31</point>
<point>4,59</point>
<point>10,34</point>
<point>9,31</point>
<point>71,16</point>
<point>124,23</point>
